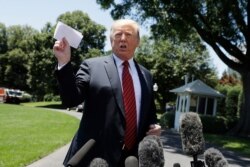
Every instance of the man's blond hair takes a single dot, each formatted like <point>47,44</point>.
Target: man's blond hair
<point>122,22</point>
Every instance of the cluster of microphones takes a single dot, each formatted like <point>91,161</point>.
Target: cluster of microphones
<point>151,153</point>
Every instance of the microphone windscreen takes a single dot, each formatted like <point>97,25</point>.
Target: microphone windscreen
<point>131,161</point>
<point>154,137</point>
<point>193,142</point>
<point>74,161</point>
<point>214,158</point>
<point>98,162</point>
<point>150,152</point>
<point>176,165</point>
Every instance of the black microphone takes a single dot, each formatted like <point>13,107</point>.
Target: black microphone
<point>98,162</point>
<point>150,152</point>
<point>74,161</point>
<point>131,161</point>
<point>214,158</point>
<point>193,142</point>
<point>176,165</point>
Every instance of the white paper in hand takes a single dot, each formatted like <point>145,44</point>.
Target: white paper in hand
<point>73,36</point>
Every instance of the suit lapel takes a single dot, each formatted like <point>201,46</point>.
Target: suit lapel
<point>144,95</point>
<point>114,79</point>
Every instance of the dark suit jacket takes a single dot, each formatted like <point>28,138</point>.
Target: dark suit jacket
<point>97,83</point>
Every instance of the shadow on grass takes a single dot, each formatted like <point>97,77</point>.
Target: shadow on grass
<point>52,106</point>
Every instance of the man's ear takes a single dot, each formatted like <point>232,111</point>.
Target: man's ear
<point>138,42</point>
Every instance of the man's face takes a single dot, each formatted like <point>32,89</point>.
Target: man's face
<point>124,41</point>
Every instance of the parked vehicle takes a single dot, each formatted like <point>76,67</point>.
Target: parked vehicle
<point>10,95</point>
<point>78,108</point>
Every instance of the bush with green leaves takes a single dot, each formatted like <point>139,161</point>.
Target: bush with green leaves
<point>167,120</point>
<point>51,97</point>
<point>216,124</point>
<point>232,102</point>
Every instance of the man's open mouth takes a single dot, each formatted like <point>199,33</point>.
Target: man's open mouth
<point>123,46</point>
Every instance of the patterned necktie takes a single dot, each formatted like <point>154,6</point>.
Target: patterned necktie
<point>130,107</point>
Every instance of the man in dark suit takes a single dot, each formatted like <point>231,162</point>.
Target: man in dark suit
<point>99,83</point>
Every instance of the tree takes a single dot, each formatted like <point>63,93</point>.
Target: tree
<point>26,58</point>
<point>3,39</point>
<point>221,24</point>
<point>16,69</point>
<point>92,44</point>
<point>3,50</point>
<point>14,60</point>
<point>93,35</point>
<point>169,62</point>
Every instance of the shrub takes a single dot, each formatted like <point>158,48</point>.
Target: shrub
<point>167,120</point>
<point>51,97</point>
<point>221,110</point>
<point>56,98</point>
<point>48,97</point>
<point>232,102</point>
<point>217,124</point>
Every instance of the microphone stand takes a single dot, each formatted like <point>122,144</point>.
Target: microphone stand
<point>196,162</point>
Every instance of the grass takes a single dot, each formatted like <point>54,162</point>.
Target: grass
<point>54,105</point>
<point>236,144</point>
<point>29,133</point>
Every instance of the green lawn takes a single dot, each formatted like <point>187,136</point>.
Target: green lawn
<point>237,144</point>
<point>29,133</point>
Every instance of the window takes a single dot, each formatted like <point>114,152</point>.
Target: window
<point>193,103</point>
<point>210,106</point>
<point>202,105</point>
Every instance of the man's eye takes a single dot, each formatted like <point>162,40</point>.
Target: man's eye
<point>118,35</point>
<point>128,35</point>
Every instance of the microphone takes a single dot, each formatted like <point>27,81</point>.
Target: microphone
<point>131,161</point>
<point>156,138</point>
<point>74,161</point>
<point>98,162</point>
<point>150,152</point>
<point>214,158</point>
<point>176,165</point>
<point>193,142</point>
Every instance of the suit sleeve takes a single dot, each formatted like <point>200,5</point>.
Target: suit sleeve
<point>73,88</point>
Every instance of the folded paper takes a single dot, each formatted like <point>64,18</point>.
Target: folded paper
<point>73,36</point>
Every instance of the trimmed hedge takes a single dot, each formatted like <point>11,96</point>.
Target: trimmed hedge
<point>211,124</point>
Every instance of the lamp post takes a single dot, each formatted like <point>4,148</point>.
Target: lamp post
<point>155,87</point>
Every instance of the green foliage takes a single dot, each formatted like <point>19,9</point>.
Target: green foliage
<point>51,97</point>
<point>230,106</point>
<point>222,25</point>
<point>169,62</point>
<point>26,58</point>
<point>222,124</point>
<point>210,122</point>
<point>167,120</point>
<point>15,69</point>
<point>232,102</point>
<point>41,76</point>
<point>3,39</point>
<point>94,35</point>
<point>240,101</point>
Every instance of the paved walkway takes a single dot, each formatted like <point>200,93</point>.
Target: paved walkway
<point>172,152</point>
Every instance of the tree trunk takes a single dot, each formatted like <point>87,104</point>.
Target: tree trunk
<point>243,126</point>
